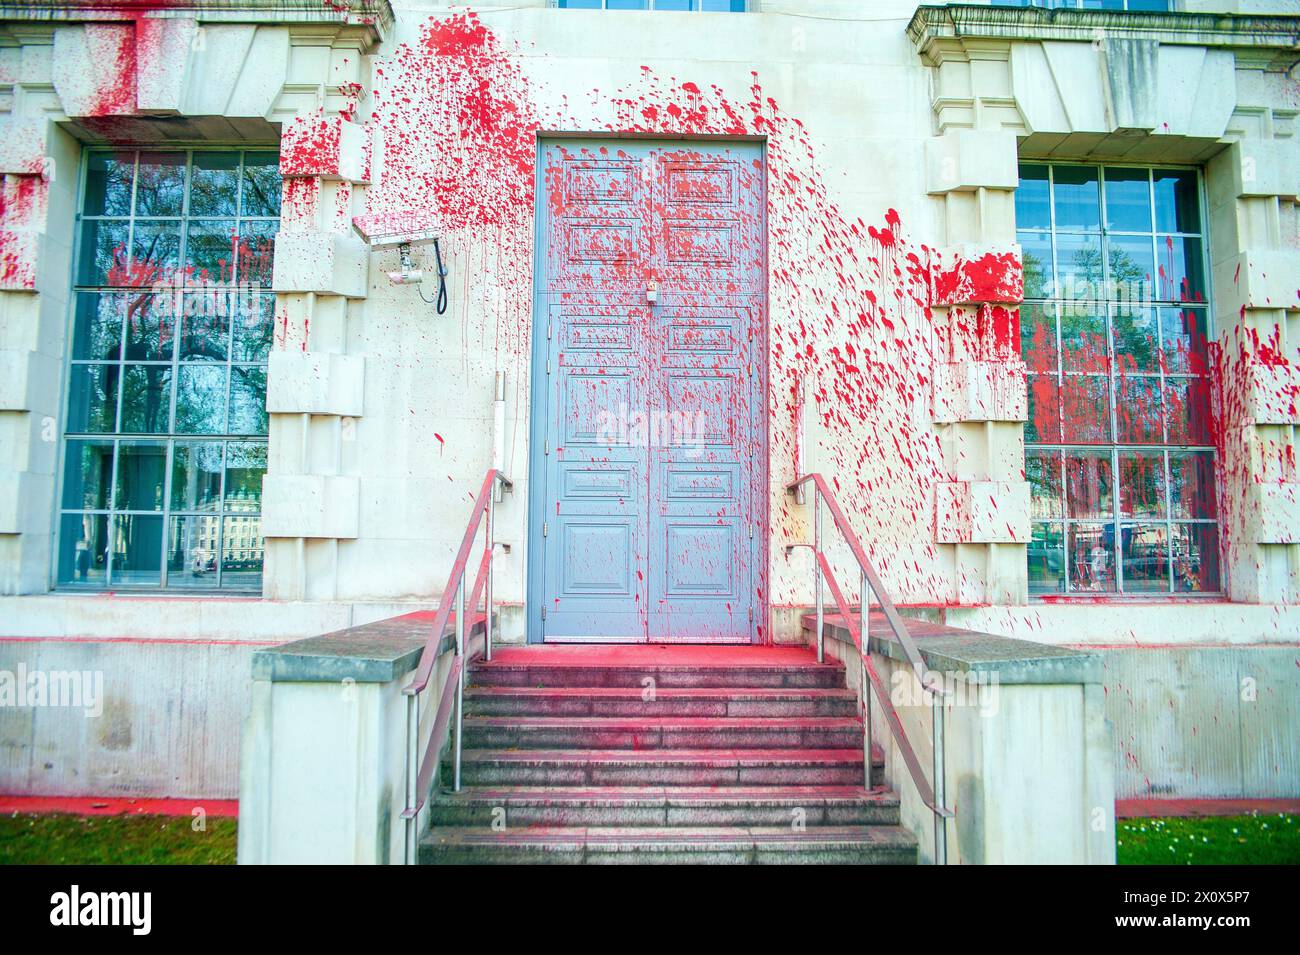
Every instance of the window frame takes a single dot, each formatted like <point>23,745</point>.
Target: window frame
<point>1114,449</point>
<point>169,439</point>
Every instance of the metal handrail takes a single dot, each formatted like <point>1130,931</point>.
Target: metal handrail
<point>420,767</point>
<point>932,795</point>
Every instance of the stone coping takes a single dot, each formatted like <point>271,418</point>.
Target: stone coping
<point>1008,660</point>
<point>377,652</point>
<point>932,23</point>
<point>377,15</point>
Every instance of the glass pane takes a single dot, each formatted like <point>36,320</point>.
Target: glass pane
<point>1141,484</point>
<point>1187,407</point>
<point>1043,425</point>
<point>1196,558</point>
<point>1181,270</point>
<point>1084,345</point>
<point>150,326</point>
<point>205,332</point>
<point>1132,268</point>
<point>248,399</point>
<point>137,549</point>
<point>1043,472</point>
<point>201,399</point>
<point>1128,200</point>
<point>214,184</point>
<point>147,399</point>
<point>141,473</point>
<point>1033,207</point>
<point>1047,559</point>
<point>1079,268</point>
<point>1137,410</point>
<point>192,552</point>
<point>161,187</point>
<point>83,549</point>
<point>1078,203</point>
<point>241,553</point>
<point>1038,338</point>
<point>97,326</point>
<point>627,4</point>
<point>261,184</point>
<point>1092,558</point>
<point>722,6</point>
<point>87,474</point>
<point>196,476</point>
<point>92,398</point>
<point>254,327</point>
<point>1185,340</point>
<point>155,254</point>
<point>103,257</point>
<point>108,184</point>
<point>673,5</point>
<point>256,252</point>
<point>1145,552</point>
<point>1085,410</point>
<point>1137,339</point>
<point>580,4</point>
<point>1036,249</point>
<point>1088,484</point>
<point>1191,484</point>
<point>211,250</point>
<point>245,467</point>
<point>1177,201</point>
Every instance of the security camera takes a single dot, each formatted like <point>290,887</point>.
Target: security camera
<point>405,232</point>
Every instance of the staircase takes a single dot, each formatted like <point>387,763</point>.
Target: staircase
<point>663,755</point>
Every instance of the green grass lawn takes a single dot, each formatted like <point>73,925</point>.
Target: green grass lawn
<point>27,838</point>
<point>1257,839</point>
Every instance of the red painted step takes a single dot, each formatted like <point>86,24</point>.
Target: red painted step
<point>666,701</point>
<point>621,732</point>
<point>663,767</point>
<point>522,806</point>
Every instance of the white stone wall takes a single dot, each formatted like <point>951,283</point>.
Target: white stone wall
<point>893,274</point>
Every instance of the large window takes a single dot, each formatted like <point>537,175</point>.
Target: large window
<point>172,319</point>
<point>1115,334</point>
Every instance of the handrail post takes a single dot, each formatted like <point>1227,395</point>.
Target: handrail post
<point>460,679</point>
<point>940,823</point>
<point>817,573</point>
<point>487,622</point>
<point>412,770</point>
<point>864,609</point>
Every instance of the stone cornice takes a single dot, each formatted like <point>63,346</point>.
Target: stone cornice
<point>375,16</point>
<point>1274,40</point>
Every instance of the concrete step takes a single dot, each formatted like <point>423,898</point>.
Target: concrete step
<point>631,701</point>
<point>639,733</point>
<point>844,845</point>
<point>744,806</point>
<point>741,675</point>
<point>665,767</point>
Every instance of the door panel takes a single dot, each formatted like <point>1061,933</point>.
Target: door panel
<point>651,417</point>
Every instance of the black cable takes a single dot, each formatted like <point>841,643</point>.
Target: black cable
<point>442,282</point>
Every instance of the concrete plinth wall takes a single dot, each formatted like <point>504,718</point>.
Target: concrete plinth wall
<point>1028,767</point>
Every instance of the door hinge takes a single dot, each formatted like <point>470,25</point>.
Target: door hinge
<point>549,327</point>
<point>543,613</point>
<point>546,446</point>
<point>751,531</point>
<point>546,528</point>
<point>751,614</point>
<point>548,366</point>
